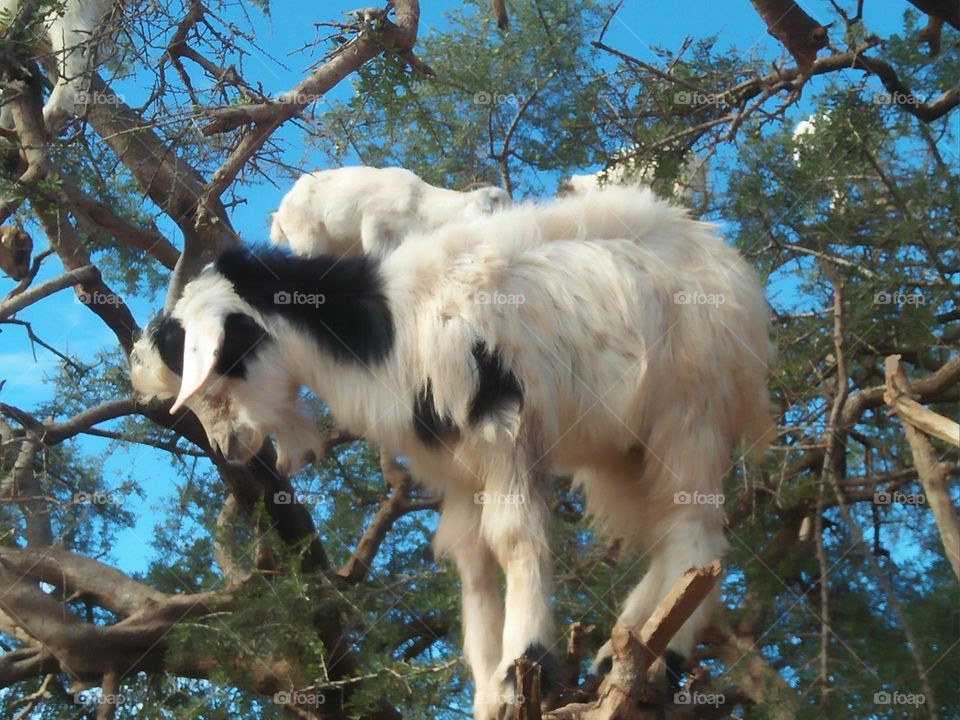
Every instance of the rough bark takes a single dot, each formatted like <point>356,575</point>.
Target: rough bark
<point>946,10</point>
<point>803,36</point>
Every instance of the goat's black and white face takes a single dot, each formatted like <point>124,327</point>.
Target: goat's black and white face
<point>218,351</point>
<point>203,354</point>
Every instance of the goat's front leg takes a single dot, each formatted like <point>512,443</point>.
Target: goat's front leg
<point>272,406</point>
<point>458,536</point>
<point>515,523</point>
<point>299,441</point>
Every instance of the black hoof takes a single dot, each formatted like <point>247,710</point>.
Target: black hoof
<point>549,680</point>
<point>675,663</point>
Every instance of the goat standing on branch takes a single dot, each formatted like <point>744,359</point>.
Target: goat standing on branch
<point>608,334</point>
<point>73,30</point>
<point>16,247</point>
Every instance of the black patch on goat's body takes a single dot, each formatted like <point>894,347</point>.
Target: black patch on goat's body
<point>242,338</point>
<point>431,428</point>
<point>353,322</point>
<point>166,334</point>
<point>496,384</point>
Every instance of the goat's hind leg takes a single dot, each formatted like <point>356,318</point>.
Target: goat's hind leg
<point>694,538</point>
<point>638,606</point>
<point>676,530</point>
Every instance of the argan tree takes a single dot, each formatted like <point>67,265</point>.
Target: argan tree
<point>831,163</point>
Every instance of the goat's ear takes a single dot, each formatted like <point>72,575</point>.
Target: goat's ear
<point>485,200</point>
<point>203,338</point>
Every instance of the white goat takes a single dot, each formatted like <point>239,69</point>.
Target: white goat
<point>800,133</point>
<point>73,29</point>
<point>625,170</point>
<point>808,150</point>
<point>352,209</point>
<point>607,334</point>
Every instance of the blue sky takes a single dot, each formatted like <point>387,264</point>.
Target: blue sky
<point>66,324</point>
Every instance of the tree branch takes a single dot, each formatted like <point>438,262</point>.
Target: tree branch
<point>931,472</point>
<point>391,509</point>
<point>622,689</point>
<point>896,396</point>
<point>803,36</point>
<point>927,390</point>
<point>946,10</point>
<point>397,37</point>
<point>903,97</point>
<point>11,306</point>
<point>82,578</point>
<point>28,120</point>
<point>28,494</point>
<point>97,215</point>
<point>267,117</point>
<point>499,8</point>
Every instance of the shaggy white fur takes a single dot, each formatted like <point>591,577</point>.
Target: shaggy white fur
<point>353,209</point>
<point>625,170</point>
<point>640,341</point>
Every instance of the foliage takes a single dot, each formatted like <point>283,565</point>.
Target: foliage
<point>866,203</point>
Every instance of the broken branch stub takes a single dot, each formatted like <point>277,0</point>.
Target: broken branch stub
<point>634,653</point>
